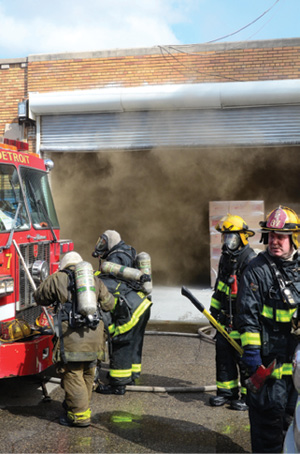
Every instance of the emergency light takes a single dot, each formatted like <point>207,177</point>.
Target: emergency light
<point>6,285</point>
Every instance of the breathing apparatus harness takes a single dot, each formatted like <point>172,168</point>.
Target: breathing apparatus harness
<point>232,282</point>
<point>76,319</point>
<point>68,312</point>
<point>130,261</point>
<point>131,255</point>
<point>287,297</point>
<point>284,286</point>
<point>239,259</point>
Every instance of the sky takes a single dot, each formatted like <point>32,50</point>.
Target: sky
<point>53,26</point>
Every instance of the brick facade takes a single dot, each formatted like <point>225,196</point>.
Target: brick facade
<point>13,89</point>
<point>226,62</point>
<point>167,65</point>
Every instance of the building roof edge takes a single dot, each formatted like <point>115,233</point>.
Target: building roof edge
<point>175,48</point>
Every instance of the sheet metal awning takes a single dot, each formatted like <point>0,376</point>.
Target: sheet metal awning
<point>195,115</point>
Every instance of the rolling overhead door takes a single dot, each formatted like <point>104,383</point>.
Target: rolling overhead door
<point>253,126</point>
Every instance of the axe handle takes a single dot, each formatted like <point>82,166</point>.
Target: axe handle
<point>186,292</point>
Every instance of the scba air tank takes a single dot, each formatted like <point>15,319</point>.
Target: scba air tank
<point>125,272</point>
<point>85,289</point>
<point>143,263</point>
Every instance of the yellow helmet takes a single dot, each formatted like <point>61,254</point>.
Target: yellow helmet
<point>235,224</point>
<point>282,220</point>
<point>14,330</point>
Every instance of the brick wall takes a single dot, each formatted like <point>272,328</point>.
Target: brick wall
<point>167,65</point>
<point>12,90</point>
<point>226,62</point>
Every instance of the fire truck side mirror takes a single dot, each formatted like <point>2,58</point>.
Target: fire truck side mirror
<point>49,164</point>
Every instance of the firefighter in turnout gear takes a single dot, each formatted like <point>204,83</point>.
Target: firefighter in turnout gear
<point>236,254</point>
<point>129,317</point>
<point>267,316</point>
<point>78,334</point>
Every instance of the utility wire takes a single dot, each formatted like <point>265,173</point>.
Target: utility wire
<point>189,68</point>
<point>248,25</point>
<point>164,48</point>
<point>263,26</point>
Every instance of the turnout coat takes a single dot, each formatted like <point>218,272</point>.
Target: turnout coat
<point>82,343</point>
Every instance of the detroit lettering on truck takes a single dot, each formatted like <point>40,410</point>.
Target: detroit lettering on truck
<point>30,249</point>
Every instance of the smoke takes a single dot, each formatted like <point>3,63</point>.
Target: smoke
<point>158,200</point>
<point>273,176</point>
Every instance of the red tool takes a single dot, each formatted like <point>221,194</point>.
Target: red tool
<point>262,373</point>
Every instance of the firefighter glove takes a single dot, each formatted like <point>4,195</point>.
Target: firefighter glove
<point>252,359</point>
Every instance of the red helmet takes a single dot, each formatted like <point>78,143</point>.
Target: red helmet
<point>282,220</point>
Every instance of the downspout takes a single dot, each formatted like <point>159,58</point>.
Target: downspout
<point>38,135</point>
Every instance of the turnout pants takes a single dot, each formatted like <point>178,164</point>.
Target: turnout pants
<point>126,356</point>
<point>77,382</point>
<point>228,368</point>
<point>270,413</point>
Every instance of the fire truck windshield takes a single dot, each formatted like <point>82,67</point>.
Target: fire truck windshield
<point>13,214</point>
<point>39,199</point>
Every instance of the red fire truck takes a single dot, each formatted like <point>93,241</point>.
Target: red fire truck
<point>30,249</point>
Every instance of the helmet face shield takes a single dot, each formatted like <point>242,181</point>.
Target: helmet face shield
<point>232,241</point>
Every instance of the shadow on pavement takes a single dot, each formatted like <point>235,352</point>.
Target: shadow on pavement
<point>161,434</point>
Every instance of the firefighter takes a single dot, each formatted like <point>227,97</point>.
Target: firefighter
<point>78,337</point>
<point>267,316</point>
<point>112,248</point>
<point>129,317</point>
<point>236,254</point>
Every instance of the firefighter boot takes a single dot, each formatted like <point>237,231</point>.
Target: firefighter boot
<point>65,421</point>
<point>218,401</point>
<point>239,404</point>
<point>109,389</point>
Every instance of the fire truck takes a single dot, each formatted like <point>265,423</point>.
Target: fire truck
<point>30,250</point>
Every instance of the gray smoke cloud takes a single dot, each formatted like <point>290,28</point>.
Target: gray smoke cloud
<point>158,200</point>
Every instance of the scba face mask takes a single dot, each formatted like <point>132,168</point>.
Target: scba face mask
<point>101,248</point>
<point>231,241</point>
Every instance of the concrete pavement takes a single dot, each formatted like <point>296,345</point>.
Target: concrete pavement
<point>142,422</point>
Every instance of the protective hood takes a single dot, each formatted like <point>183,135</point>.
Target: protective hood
<point>113,238</point>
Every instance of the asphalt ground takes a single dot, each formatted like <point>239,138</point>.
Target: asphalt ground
<point>139,421</point>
